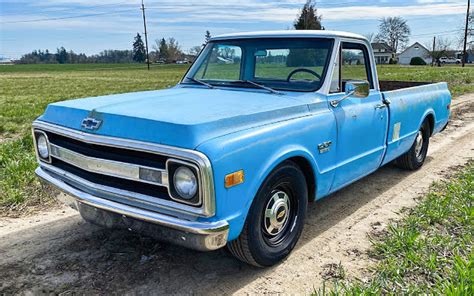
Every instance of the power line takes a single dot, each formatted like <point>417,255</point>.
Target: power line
<point>69,9</point>
<point>66,17</point>
<point>436,33</point>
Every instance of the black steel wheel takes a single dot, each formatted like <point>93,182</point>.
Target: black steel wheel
<point>415,157</point>
<point>276,218</point>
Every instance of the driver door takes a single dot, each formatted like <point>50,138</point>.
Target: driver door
<point>361,122</point>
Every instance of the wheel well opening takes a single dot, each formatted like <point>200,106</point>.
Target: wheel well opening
<point>430,119</point>
<point>308,172</point>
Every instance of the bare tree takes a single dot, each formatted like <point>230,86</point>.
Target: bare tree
<point>394,31</point>
<point>470,31</point>
<point>370,37</point>
<point>442,49</point>
<point>168,50</point>
<point>195,50</point>
<point>174,50</point>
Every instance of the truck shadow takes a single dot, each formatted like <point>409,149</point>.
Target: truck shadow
<point>71,255</point>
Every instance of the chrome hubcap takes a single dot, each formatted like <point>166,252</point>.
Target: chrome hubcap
<point>419,144</point>
<point>277,212</point>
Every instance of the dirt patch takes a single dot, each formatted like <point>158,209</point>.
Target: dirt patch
<point>60,253</point>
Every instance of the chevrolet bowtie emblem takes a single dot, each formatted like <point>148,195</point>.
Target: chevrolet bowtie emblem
<point>281,214</point>
<point>91,123</point>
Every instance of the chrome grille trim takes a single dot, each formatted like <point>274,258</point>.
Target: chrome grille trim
<point>208,204</point>
<point>105,167</point>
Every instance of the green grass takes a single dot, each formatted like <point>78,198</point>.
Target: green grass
<point>26,90</point>
<point>19,186</point>
<point>460,80</point>
<point>428,252</point>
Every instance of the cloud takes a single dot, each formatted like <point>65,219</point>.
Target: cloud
<point>190,17</point>
<point>244,12</point>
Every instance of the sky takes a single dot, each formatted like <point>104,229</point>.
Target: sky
<point>90,26</point>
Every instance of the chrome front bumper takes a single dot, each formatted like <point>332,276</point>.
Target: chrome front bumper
<point>202,236</point>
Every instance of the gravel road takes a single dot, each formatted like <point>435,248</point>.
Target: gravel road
<point>56,252</point>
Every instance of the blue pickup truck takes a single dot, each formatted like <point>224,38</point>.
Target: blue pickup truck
<point>261,125</point>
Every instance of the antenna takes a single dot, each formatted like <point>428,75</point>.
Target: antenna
<point>146,36</point>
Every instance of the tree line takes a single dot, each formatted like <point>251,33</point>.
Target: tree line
<point>166,50</point>
<point>163,51</point>
<point>63,56</point>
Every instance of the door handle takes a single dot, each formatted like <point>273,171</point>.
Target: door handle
<point>380,106</point>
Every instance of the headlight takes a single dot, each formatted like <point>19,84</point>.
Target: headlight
<point>185,182</point>
<point>43,147</point>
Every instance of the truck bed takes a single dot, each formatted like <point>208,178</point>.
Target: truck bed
<point>388,85</point>
<point>410,104</point>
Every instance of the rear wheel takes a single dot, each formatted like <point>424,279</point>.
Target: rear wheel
<point>275,219</point>
<point>415,157</point>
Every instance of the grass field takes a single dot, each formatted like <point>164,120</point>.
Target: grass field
<point>26,90</point>
<point>429,252</point>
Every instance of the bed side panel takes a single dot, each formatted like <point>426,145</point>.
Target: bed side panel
<point>408,109</point>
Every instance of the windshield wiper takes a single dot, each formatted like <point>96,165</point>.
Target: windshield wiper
<point>200,82</point>
<point>260,86</point>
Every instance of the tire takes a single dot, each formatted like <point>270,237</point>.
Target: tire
<point>415,157</point>
<point>275,219</point>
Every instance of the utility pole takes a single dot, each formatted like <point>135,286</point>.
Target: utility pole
<point>464,55</point>
<point>146,36</point>
<point>434,52</point>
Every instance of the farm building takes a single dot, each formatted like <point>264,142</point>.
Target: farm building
<point>413,51</point>
<point>382,52</point>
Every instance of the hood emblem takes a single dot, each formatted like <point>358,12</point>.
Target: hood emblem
<point>91,123</point>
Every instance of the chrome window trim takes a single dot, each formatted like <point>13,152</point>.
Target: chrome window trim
<point>107,167</point>
<point>197,158</point>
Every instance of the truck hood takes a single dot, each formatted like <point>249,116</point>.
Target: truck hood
<point>182,116</point>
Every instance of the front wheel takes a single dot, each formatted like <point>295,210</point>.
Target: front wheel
<point>415,157</point>
<point>275,220</point>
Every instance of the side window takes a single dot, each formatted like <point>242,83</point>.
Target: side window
<point>355,63</point>
<point>336,76</point>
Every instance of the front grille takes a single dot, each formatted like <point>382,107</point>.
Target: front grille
<point>123,184</point>
<point>109,153</point>
<point>126,171</point>
<point>141,158</point>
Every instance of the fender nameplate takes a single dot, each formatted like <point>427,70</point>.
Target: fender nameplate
<point>324,147</point>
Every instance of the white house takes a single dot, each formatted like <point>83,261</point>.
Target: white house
<point>413,51</point>
<point>382,52</point>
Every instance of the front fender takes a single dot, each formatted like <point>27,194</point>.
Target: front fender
<point>258,151</point>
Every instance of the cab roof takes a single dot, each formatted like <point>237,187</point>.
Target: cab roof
<point>289,34</point>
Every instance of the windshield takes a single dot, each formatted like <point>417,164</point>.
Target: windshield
<point>293,64</point>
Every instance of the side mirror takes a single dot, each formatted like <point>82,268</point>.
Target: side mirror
<point>358,89</point>
<point>354,88</point>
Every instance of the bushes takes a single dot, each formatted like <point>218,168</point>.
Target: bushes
<point>392,61</point>
<point>417,61</point>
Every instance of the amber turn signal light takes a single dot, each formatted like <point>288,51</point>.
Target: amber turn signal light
<point>234,179</point>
